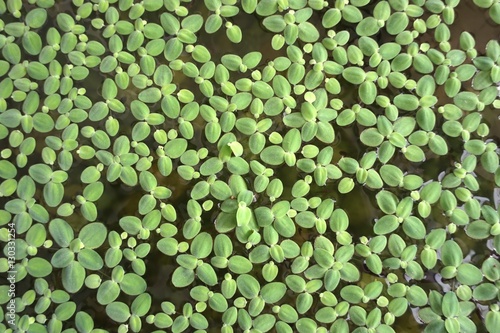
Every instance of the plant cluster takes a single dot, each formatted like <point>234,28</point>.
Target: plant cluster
<point>133,143</point>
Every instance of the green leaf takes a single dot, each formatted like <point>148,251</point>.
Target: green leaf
<point>391,175</point>
<point>141,305</point>
<point>274,23</point>
<point>65,311</point>
<point>492,321</point>
<point>387,201</point>
<point>90,259</point>
<point>346,185</point>
<point>93,235</point>
<point>84,322</point>
<point>414,227</point>
<point>422,64</point>
<point>152,5</point>
<point>368,92</point>
<point>61,232</point>
<point>146,204</point>
<point>182,277</point>
<point>485,292</point>
<point>406,102</point>
<point>262,90</point>
<point>39,267</point>
<point>306,325</point>
<point>168,246</point>
<point>308,32</point>
<point>238,166</point>
<point>273,292</point>
<point>150,95</point>
<point>180,324</point>
<point>414,154</point>
<point>9,171</point>
<point>371,137</point>
<point>273,155</point>
<point>469,274</point>
<point>490,161</point>
<point>239,265</point>
<point>326,315</point>
<point>374,263</point>
<point>118,311</point>
<point>354,75</point>
<point>466,101</point>
<point>248,286</point>
<point>36,18</point>
<point>435,326</point>
<point>386,225</point>
<point>108,291</point>
<point>53,193</point>
<point>451,254</point>
<point>331,17</point>
<point>202,244</point>
<point>62,258</point>
<point>491,269</point>
<point>132,284</point>
<point>223,246</point>
<point>352,294</point>
<point>206,274</point>
<point>438,145</point>
<point>175,148</point>
<point>351,14</point>
<point>73,277</point>
<point>416,296</point>
<point>397,23</point>
<point>36,235</point>
<point>450,306</point>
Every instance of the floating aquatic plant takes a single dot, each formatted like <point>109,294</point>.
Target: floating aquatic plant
<point>254,165</point>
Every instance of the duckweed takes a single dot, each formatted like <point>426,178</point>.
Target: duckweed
<point>255,166</point>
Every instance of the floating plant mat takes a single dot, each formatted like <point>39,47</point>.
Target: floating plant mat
<point>249,166</point>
